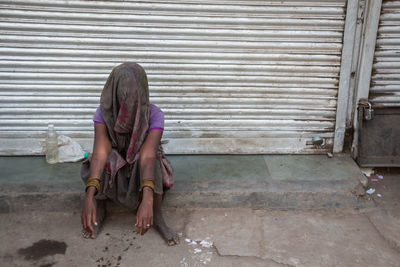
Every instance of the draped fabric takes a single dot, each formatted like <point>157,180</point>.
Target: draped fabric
<point>125,107</point>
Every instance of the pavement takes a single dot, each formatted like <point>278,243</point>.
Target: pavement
<point>358,230</point>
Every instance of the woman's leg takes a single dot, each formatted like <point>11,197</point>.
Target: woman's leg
<point>159,223</point>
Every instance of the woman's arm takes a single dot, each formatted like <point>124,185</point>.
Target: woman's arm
<point>101,149</point>
<point>148,154</point>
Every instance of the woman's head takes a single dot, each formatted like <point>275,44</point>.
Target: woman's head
<point>125,104</point>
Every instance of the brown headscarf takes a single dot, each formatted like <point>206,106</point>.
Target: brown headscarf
<point>125,107</point>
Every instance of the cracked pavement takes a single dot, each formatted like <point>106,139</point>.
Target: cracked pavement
<point>239,236</point>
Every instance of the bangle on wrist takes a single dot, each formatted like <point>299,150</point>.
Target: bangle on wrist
<point>147,183</point>
<point>95,182</point>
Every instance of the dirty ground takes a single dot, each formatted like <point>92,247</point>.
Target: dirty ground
<point>209,237</point>
<point>369,236</point>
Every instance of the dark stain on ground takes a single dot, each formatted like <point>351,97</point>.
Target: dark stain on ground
<point>43,248</point>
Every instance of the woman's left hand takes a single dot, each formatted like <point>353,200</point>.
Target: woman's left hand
<point>144,216</point>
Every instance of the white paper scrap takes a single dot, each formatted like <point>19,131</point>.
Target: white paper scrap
<point>197,250</point>
<point>367,171</point>
<point>379,195</point>
<point>370,191</point>
<point>380,176</point>
<point>206,244</point>
<point>188,240</point>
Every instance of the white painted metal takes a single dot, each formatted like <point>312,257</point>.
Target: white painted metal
<point>231,76</point>
<point>349,43</point>
<point>370,29</point>
<point>385,83</point>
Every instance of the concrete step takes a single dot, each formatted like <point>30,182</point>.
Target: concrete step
<point>257,181</point>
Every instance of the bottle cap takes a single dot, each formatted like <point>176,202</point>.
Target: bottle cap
<point>86,155</point>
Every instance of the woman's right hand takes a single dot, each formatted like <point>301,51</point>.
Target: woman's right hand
<point>89,210</point>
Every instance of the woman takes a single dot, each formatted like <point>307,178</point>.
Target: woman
<point>128,165</point>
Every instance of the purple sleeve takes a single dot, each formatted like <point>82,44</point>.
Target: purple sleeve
<point>98,118</point>
<point>156,120</point>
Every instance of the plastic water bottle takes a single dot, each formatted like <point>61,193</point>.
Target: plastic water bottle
<point>51,145</point>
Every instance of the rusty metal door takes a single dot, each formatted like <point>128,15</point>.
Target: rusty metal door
<point>380,129</point>
<point>231,76</point>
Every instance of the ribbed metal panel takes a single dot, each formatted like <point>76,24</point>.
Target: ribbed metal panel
<point>385,84</point>
<point>218,69</point>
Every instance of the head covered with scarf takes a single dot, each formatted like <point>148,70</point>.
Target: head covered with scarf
<point>125,106</point>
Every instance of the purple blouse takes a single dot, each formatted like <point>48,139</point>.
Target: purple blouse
<point>156,120</point>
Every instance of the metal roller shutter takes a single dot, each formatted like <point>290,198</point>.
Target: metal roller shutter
<point>231,76</point>
<point>385,81</point>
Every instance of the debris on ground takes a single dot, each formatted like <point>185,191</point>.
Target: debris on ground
<point>367,171</point>
<point>206,244</point>
<point>370,191</point>
<point>197,250</point>
<point>374,180</point>
<point>380,177</point>
<point>379,195</point>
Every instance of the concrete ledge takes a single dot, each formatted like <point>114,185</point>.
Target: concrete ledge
<point>256,181</point>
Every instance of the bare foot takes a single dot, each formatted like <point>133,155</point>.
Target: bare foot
<point>170,236</point>
<point>101,215</point>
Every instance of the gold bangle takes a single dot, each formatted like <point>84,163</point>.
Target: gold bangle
<point>148,183</point>
<point>93,182</point>
<point>93,179</point>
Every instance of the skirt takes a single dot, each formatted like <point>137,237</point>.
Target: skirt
<point>124,188</point>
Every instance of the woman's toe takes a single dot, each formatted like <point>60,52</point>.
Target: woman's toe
<point>86,234</point>
<point>174,241</point>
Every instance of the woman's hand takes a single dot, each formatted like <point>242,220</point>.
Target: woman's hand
<point>144,216</point>
<point>89,210</point>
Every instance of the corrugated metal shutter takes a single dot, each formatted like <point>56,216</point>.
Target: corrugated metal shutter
<point>385,84</point>
<point>231,76</point>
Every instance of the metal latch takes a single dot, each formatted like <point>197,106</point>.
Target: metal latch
<point>317,142</point>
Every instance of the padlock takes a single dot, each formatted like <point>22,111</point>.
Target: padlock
<point>369,112</point>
